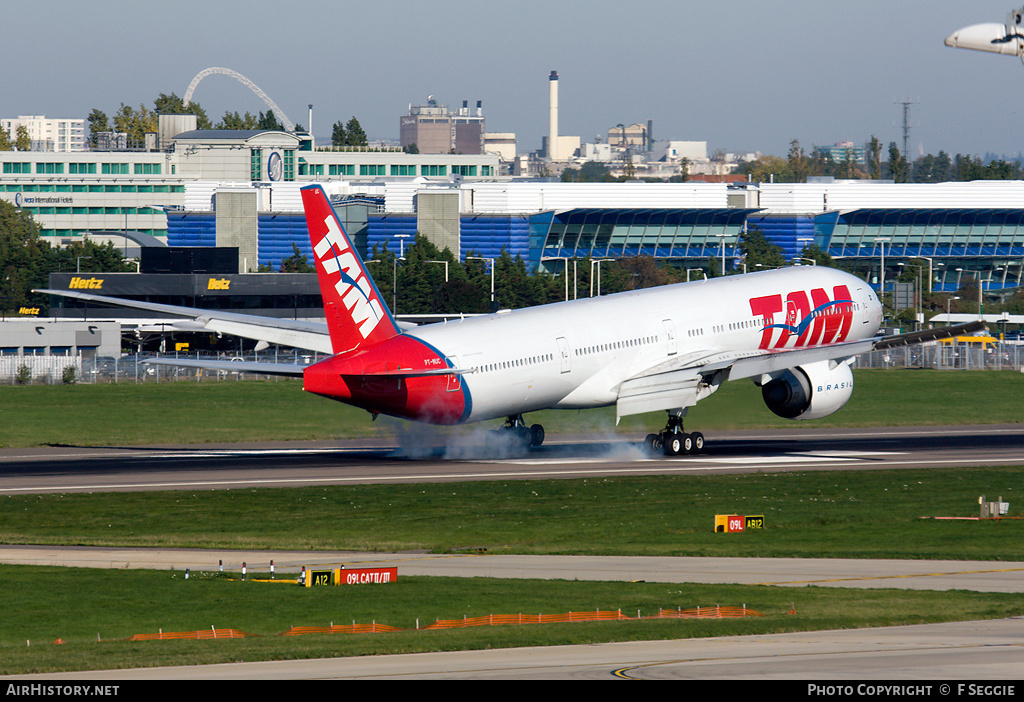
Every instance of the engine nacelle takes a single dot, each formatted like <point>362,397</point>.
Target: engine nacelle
<point>809,392</point>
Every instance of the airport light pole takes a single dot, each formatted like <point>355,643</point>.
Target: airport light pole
<point>597,262</point>
<point>881,277</point>
<point>565,270</point>
<point>930,264</point>
<point>445,268</point>
<point>917,289</point>
<point>881,273</point>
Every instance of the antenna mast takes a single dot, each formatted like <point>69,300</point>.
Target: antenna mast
<point>906,128</point>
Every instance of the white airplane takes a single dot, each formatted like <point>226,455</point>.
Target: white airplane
<point>1006,38</point>
<point>793,331</point>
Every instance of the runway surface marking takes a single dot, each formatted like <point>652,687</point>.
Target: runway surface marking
<point>796,457</point>
<point>893,577</point>
<point>685,465</point>
<point>857,650</point>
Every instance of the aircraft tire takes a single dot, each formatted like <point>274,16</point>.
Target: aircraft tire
<point>676,444</point>
<point>524,437</point>
<point>654,443</point>
<point>536,436</point>
<point>698,442</point>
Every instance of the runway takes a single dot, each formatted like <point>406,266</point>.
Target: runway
<point>957,651</point>
<point>969,651</point>
<point>96,469</point>
<point>980,576</point>
<point>954,659</point>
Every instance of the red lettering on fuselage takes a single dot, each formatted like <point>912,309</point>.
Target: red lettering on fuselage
<point>821,320</point>
<point>766,307</point>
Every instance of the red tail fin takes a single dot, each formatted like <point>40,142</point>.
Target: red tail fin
<point>356,313</point>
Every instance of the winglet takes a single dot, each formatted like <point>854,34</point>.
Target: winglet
<point>356,313</point>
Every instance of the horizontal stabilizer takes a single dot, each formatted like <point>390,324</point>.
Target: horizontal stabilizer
<point>412,373</point>
<point>285,369</point>
<point>294,369</point>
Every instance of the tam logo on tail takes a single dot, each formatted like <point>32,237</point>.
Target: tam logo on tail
<point>352,287</point>
<point>351,302</point>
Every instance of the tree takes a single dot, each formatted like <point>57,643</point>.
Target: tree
<point>97,123</point>
<point>298,262</point>
<point>174,105</point>
<point>822,163</point>
<point>269,122</point>
<point>818,255</point>
<point>135,123</point>
<point>799,167</point>
<point>26,260</point>
<point>594,172</point>
<point>338,134</point>
<point>354,134</point>
<point>22,258</point>
<point>23,142</point>
<point>874,158</point>
<point>684,169</point>
<point>5,141</point>
<point>766,169</point>
<point>758,251</point>
<point>846,166</point>
<point>897,164</point>
<point>233,120</point>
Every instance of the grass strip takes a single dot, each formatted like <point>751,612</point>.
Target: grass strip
<point>126,414</point>
<point>837,514</point>
<point>79,605</point>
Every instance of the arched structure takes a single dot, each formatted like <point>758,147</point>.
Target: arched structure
<point>289,125</point>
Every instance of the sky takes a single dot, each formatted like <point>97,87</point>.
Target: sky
<point>743,76</point>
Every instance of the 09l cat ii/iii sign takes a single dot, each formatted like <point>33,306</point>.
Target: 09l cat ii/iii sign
<point>355,576</point>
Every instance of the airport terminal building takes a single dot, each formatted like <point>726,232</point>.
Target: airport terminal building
<point>240,188</point>
<point>100,193</point>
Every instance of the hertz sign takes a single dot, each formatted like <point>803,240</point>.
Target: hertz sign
<point>78,283</point>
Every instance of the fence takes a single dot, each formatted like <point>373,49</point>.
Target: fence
<point>45,370</point>
<point>54,370</point>
<point>715,612</point>
<point>946,357</point>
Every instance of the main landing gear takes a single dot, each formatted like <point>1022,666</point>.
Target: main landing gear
<point>673,439</point>
<point>516,434</point>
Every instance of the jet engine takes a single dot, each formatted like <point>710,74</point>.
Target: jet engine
<point>809,392</point>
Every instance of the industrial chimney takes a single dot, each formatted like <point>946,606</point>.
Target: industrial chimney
<point>553,116</point>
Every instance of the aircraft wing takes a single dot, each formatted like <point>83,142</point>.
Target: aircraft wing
<point>919,337</point>
<point>688,378</point>
<point>286,332</point>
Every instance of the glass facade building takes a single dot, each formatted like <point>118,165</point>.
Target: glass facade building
<point>958,241</point>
